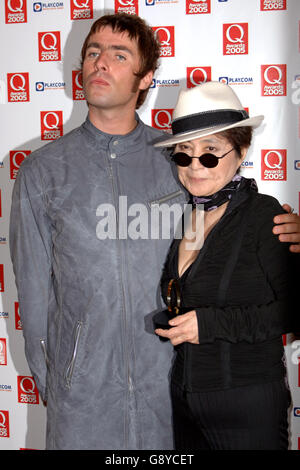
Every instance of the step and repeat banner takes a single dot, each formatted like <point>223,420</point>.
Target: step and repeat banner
<point>254,47</point>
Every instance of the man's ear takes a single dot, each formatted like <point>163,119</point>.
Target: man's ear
<point>146,81</point>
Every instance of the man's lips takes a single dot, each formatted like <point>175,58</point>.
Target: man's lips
<point>99,81</point>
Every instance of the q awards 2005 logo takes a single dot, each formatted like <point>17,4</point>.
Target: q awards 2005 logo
<point>273,165</point>
<point>27,390</point>
<point>81,9</point>
<point>197,75</point>
<point>194,7</point>
<point>165,36</point>
<point>269,5</point>
<point>16,157</point>
<point>273,80</point>
<point>51,125</point>
<point>77,88</point>
<point>15,11</point>
<point>235,38</point>
<point>4,423</point>
<point>130,7</point>
<point>162,119</point>
<point>49,46</point>
<point>18,87</point>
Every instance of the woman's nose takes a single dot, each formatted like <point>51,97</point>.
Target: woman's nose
<point>195,163</point>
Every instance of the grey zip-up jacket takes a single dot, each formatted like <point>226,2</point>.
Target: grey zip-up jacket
<point>86,302</point>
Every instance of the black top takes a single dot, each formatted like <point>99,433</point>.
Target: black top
<point>243,298</point>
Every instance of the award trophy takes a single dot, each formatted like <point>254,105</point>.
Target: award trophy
<point>161,319</point>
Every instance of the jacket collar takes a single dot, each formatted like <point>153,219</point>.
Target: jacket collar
<point>120,143</point>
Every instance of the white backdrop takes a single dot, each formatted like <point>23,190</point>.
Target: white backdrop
<point>253,45</point>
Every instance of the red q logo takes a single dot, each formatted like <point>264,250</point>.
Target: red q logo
<point>17,82</point>
<point>273,80</point>
<point>27,384</point>
<point>273,75</point>
<point>51,120</point>
<point>235,38</point>
<point>273,159</point>
<point>15,6</point>
<point>165,36</point>
<point>49,46</point>
<point>49,41</point>
<point>197,76</point>
<point>51,125</point>
<point>81,9</point>
<point>235,33</point>
<point>15,11</point>
<point>162,118</point>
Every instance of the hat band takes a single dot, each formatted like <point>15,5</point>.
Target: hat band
<point>208,119</point>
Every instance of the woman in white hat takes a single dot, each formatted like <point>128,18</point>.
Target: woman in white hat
<point>235,292</point>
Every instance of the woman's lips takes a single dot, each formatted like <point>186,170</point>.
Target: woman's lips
<point>197,180</point>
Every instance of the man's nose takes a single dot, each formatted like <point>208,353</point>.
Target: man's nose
<point>101,62</point>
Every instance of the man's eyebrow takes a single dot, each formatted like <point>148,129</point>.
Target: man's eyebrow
<point>96,45</point>
<point>116,47</point>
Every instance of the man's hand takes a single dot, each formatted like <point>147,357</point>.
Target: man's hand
<point>184,329</point>
<point>288,228</point>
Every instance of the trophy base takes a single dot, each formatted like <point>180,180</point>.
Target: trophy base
<point>161,319</point>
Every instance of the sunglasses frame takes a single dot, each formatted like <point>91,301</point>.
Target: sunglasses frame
<point>205,155</point>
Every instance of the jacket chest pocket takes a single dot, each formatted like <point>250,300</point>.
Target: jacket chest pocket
<point>175,196</point>
<point>166,214</point>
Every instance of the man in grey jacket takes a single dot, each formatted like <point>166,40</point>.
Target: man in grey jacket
<point>87,272</point>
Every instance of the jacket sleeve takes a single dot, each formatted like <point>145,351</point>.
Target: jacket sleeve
<point>30,248</point>
<point>256,323</point>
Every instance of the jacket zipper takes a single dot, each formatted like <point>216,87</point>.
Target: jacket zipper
<point>70,369</point>
<point>129,380</point>
<point>43,345</point>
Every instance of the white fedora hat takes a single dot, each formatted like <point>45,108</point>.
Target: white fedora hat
<point>206,109</point>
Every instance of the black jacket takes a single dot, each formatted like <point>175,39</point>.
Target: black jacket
<point>242,285</point>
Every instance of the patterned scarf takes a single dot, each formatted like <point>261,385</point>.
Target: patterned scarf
<point>225,194</point>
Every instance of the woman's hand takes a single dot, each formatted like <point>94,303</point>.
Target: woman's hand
<point>184,329</point>
<point>288,228</point>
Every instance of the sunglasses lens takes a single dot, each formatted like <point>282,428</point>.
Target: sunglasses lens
<point>209,160</point>
<point>181,159</point>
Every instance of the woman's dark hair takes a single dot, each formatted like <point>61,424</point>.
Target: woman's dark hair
<point>137,29</point>
<point>239,137</point>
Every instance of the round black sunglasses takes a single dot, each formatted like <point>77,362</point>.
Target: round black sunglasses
<point>209,160</point>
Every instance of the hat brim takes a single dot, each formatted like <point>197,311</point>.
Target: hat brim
<point>170,140</point>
